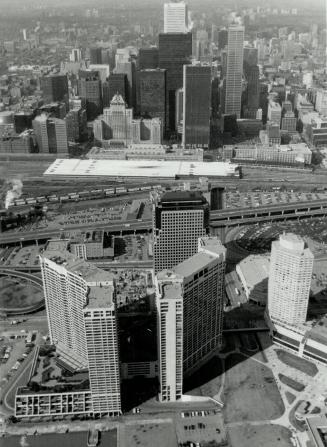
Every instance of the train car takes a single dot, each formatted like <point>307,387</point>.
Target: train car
<point>120,190</point>
<point>109,192</point>
<point>53,198</point>
<point>41,199</point>
<point>84,194</point>
<point>64,198</point>
<point>31,201</point>
<point>19,202</point>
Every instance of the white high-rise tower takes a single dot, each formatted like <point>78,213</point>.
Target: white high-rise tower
<point>175,18</point>
<point>190,300</point>
<point>290,274</point>
<point>82,323</point>
<point>234,70</point>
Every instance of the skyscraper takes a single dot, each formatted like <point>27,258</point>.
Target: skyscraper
<point>51,134</point>
<point>89,89</point>
<point>102,348</point>
<point>148,58</point>
<point>190,301</point>
<point>196,105</point>
<point>152,87</point>
<point>175,50</point>
<point>289,280</point>
<point>169,298</point>
<point>55,88</point>
<point>119,120</point>
<point>81,315</point>
<point>175,17</point>
<point>234,70</point>
<point>179,219</point>
<point>117,83</point>
<point>95,55</point>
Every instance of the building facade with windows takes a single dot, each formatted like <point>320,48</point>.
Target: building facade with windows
<point>179,219</point>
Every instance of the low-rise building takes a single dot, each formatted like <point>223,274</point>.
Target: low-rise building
<point>308,340</point>
<point>253,272</point>
<point>291,154</point>
<point>145,152</point>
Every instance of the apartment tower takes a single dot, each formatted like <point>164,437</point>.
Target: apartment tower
<point>81,316</point>
<point>291,265</point>
<point>190,301</point>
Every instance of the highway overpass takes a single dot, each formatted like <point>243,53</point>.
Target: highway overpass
<point>38,235</point>
<point>284,211</point>
<point>219,220</point>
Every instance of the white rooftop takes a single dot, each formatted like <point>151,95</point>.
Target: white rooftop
<point>138,168</point>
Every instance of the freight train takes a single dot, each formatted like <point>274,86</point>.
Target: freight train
<point>82,195</point>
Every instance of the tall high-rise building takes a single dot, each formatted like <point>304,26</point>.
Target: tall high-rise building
<point>152,93</point>
<point>190,301</point>
<point>51,134</point>
<point>290,272</point>
<point>117,83</point>
<point>179,111</point>
<point>90,90</point>
<point>81,316</point>
<point>175,17</point>
<point>102,348</point>
<point>126,64</point>
<point>234,71</point>
<point>179,219</point>
<point>252,90</point>
<point>222,38</point>
<point>55,88</point>
<point>75,55</point>
<point>169,298</point>
<point>119,120</point>
<point>175,50</point>
<point>196,105</point>
<point>95,55</point>
<point>148,58</point>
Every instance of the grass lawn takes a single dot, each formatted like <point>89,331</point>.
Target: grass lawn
<point>297,386</point>
<point>250,392</point>
<point>206,381</point>
<point>290,397</point>
<point>17,295</point>
<point>150,435</point>
<point>260,436</point>
<point>296,362</point>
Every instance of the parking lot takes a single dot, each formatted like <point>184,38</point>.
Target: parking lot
<point>132,248</point>
<point>25,256</point>
<point>237,199</point>
<point>257,238</point>
<point>13,352</point>
<point>200,427</point>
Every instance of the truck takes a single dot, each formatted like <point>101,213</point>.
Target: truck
<point>237,291</point>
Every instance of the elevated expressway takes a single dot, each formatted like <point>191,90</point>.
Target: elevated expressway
<point>219,221</point>
<point>222,220</point>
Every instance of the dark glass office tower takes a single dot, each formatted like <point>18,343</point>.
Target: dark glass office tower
<point>196,105</point>
<point>148,58</point>
<point>117,83</point>
<point>55,88</point>
<point>96,55</point>
<point>152,99</point>
<point>251,73</point>
<point>90,90</point>
<point>222,38</point>
<point>175,50</point>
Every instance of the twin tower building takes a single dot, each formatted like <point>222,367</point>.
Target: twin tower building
<point>189,268</point>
